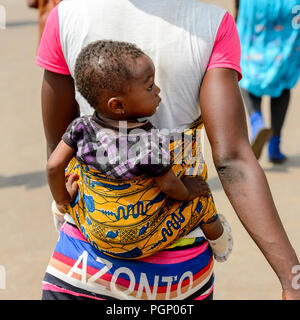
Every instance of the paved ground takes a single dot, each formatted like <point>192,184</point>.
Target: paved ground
<point>27,235</point>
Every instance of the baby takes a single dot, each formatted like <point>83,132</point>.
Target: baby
<point>117,79</point>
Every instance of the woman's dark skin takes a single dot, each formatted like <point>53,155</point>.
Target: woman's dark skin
<point>269,216</point>
<point>243,179</point>
<point>236,8</point>
<point>59,107</point>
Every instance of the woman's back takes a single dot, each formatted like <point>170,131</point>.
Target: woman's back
<point>140,22</point>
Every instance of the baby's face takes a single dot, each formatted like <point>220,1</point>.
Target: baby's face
<point>142,98</point>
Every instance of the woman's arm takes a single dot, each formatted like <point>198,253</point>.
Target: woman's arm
<point>243,179</point>
<point>59,107</point>
<point>236,9</point>
<point>56,165</point>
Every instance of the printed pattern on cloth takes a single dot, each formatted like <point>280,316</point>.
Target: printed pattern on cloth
<point>131,219</point>
<point>122,155</point>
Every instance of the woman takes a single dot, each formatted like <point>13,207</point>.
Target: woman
<point>195,47</point>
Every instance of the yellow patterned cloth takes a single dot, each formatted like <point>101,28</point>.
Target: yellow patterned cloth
<point>132,218</point>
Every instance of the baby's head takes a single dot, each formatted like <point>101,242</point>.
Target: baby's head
<point>117,80</point>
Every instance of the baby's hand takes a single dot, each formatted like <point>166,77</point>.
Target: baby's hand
<point>72,185</point>
<point>196,187</point>
<point>72,188</point>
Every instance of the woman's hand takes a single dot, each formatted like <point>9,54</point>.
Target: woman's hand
<point>291,294</point>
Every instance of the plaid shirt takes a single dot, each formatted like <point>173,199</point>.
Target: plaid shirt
<point>120,153</point>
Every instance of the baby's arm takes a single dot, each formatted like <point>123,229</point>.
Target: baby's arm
<point>186,189</point>
<point>56,165</point>
<point>218,234</point>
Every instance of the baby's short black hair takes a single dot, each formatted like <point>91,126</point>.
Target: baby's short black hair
<point>104,65</point>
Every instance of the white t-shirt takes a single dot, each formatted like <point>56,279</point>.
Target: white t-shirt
<point>184,38</point>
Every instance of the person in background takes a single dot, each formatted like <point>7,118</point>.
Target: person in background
<point>270,62</point>
<point>44,7</point>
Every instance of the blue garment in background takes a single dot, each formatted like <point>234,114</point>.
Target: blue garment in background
<point>269,31</point>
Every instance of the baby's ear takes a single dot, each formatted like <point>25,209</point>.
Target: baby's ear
<point>115,105</point>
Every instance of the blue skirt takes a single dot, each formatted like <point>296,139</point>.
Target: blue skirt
<point>269,31</point>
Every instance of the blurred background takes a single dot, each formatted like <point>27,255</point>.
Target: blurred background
<point>27,233</point>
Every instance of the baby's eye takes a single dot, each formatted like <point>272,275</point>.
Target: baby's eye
<point>151,87</point>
